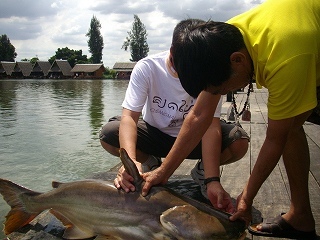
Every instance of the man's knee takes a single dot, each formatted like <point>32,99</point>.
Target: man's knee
<point>235,151</point>
<point>109,137</point>
<point>110,129</point>
<point>110,149</point>
<point>239,148</point>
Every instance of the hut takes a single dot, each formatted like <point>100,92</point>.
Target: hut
<point>22,70</point>
<point>40,69</point>
<point>60,69</point>
<point>88,71</point>
<point>6,69</point>
<point>123,69</point>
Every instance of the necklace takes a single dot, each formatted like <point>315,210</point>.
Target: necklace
<point>237,131</point>
<point>246,103</point>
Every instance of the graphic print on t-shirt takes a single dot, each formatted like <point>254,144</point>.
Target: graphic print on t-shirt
<point>175,111</point>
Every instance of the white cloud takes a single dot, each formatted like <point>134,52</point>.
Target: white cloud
<point>29,9</point>
<point>39,28</point>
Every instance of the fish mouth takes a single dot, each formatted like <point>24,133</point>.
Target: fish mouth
<point>167,225</point>
<point>179,220</point>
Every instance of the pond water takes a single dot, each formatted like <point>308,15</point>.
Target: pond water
<point>49,130</point>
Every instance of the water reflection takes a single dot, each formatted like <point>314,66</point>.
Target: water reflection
<point>7,104</point>
<point>96,107</point>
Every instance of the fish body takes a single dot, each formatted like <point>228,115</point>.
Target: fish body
<point>94,207</point>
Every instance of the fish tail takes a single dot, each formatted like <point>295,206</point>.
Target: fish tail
<point>18,216</point>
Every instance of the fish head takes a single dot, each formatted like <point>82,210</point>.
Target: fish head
<point>187,222</point>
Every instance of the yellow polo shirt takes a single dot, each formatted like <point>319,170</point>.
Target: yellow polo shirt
<point>283,40</point>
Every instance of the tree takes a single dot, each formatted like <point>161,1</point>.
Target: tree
<point>137,41</point>
<point>32,60</point>
<point>95,41</point>
<point>7,50</point>
<point>73,56</point>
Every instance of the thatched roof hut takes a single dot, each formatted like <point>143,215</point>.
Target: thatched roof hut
<point>22,69</point>
<point>6,69</point>
<point>88,70</point>
<point>40,69</point>
<point>123,69</point>
<point>60,69</point>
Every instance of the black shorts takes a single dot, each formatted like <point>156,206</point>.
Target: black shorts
<point>152,141</point>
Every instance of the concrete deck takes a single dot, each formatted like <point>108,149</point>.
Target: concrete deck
<point>274,195</point>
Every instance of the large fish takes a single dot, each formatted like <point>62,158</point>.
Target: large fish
<point>96,208</point>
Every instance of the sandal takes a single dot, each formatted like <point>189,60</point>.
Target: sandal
<point>279,228</point>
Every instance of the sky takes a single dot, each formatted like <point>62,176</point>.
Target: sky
<point>37,28</point>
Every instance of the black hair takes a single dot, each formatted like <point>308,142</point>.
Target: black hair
<point>201,53</point>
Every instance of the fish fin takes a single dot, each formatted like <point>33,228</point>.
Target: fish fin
<point>17,219</point>
<point>15,196</point>
<point>65,221</point>
<point>74,232</point>
<point>131,168</point>
<point>56,184</point>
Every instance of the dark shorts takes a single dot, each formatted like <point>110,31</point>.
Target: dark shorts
<point>152,141</point>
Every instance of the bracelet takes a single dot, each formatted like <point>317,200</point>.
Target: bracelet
<point>211,179</point>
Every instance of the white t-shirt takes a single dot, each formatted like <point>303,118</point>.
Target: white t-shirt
<point>159,95</point>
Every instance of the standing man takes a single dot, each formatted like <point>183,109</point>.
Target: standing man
<point>279,43</point>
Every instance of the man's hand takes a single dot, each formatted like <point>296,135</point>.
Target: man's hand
<point>219,197</point>
<point>124,181</point>
<point>243,211</point>
<point>152,178</point>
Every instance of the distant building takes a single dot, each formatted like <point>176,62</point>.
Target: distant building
<point>88,71</point>
<point>60,69</point>
<point>6,69</point>
<point>123,69</point>
<point>40,69</point>
<point>22,70</point>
